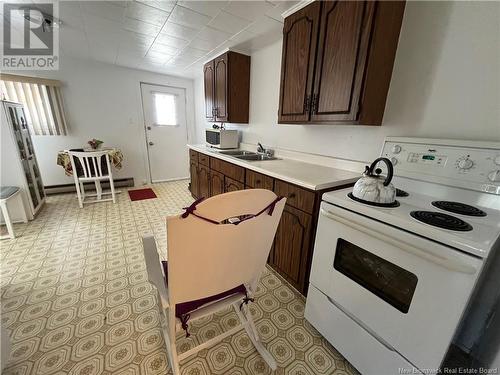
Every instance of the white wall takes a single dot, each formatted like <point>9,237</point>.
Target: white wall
<point>445,84</point>
<point>103,101</point>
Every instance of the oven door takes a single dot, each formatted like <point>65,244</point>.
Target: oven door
<point>408,291</point>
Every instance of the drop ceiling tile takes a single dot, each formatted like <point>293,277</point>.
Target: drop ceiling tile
<point>162,48</point>
<point>140,27</point>
<point>135,39</point>
<point>209,8</point>
<point>158,57</point>
<point>228,23</point>
<point>171,41</point>
<point>265,25</point>
<point>241,37</point>
<point>103,52</point>
<point>166,6</point>
<point>103,9</point>
<point>146,14</point>
<point>213,35</point>
<point>71,13</point>
<point>187,17</point>
<point>179,31</point>
<point>249,10</point>
<point>192,52</point>
<point>204,45</point>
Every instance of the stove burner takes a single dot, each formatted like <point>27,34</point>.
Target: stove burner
<point>441,220</point>
<point>459,208</point>
<point>401,193</point>
<point>386,205</point>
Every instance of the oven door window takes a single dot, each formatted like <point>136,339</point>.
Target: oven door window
<point>386,280</point>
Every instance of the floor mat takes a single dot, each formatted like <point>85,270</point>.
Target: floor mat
<point>140,194</point>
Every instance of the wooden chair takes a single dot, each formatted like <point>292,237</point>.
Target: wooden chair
<point>8,193</point>
<point>217,251</point>
<point>92,166</point>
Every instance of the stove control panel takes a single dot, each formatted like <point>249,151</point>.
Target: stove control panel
<point>468,164</point>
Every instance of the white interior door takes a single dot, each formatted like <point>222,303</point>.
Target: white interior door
<point>166,132</point>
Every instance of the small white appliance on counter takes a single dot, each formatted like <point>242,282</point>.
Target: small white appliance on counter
<point>19,166</point>
<point>221,138</point>
<point>389,285</point>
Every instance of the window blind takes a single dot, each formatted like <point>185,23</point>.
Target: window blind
<point>42,100</point>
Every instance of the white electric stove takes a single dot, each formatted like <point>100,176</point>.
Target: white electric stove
<point>389,286</point>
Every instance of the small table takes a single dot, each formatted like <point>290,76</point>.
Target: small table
<point>63,159</point>
<point>115,157</point>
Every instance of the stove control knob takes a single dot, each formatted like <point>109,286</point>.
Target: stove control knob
<point>494,176</point>
<point>396,149</point>
<point>465,163</point>
<point>394,161</point>
<point>497,160</point>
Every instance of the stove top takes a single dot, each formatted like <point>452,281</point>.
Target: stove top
<point>418,214</point>
<point>441,220</point>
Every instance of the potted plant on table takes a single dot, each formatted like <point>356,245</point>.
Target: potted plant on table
<point>95,144</point>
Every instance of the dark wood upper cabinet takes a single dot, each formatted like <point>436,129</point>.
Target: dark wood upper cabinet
<point>229,77</point>
<point>342,74</point>
<point>209,81</point>
<point>300,33</point>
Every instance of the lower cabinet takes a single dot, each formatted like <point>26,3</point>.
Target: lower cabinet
<point>203,181</point>
<point>232,185</point>
<point>291,253</point>
<point>291,246</point>
<point>216,183</point>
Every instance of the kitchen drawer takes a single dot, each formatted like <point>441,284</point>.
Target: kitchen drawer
<point>193,155</point>
<point>368,354</point>
<point>258,181</point>
<point>204,159</point>
<point>232,171</point>
<point>295,196</point>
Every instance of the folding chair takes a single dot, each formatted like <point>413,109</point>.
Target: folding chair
<point>217,251</point>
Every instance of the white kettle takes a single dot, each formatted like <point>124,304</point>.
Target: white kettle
<point>375,189</point>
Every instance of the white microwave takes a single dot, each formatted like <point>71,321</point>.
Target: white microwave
<point>221,138</point>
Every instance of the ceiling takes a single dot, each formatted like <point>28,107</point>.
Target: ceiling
<point>172,37</point>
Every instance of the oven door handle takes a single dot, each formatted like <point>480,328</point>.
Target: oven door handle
<point>448,262</point>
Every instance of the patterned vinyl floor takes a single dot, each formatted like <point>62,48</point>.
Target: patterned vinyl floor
<point>75,300</point>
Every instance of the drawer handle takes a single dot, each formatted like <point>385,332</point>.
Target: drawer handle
<point>291,195</point>
<point>257,181</point>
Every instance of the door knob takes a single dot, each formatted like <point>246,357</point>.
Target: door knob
<point>151,143</point>
<point>149,127</point>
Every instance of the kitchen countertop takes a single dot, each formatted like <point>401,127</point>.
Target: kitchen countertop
<point>307,175</point>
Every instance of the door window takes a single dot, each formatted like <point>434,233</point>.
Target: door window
<point>165,109</point>
<point>386,280</point>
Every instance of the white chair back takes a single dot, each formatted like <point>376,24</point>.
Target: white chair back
<point>205,259</point>
<point>91,163</point>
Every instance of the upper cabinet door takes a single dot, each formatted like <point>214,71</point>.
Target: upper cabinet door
<point>221,69</point>
<point>340,65</point>
<point>300,33</point>
<point>208,72</point>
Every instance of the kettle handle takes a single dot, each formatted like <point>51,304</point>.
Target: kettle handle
<point>390,169</point>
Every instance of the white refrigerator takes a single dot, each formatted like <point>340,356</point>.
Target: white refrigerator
<point>19,166</point>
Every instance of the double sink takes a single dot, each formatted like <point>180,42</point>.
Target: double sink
<point>247,155</point>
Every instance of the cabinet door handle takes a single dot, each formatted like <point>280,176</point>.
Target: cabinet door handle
<point>307,104</point>
<point>314,105</point>
<point>291,195</point>
<point>257,181</point>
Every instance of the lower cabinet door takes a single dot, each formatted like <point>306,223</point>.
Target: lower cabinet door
<point>203,181</point>
<point>291,246</point>
<point>193,169</point>
<point>216,183</point>
<point>232,185</point>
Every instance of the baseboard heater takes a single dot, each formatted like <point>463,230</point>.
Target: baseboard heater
<point>89,186</point>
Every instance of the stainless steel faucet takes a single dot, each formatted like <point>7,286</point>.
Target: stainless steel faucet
<point>265,151</point>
